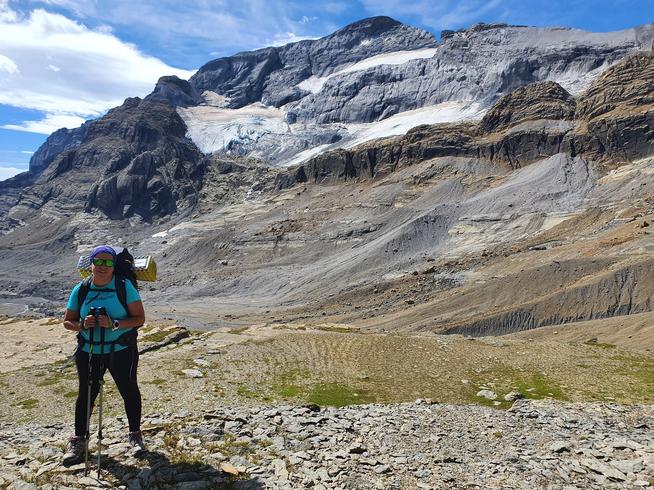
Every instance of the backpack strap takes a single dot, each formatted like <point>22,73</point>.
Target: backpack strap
<point>85,287</point>
<point>82,292</point>
<point>121,291</point>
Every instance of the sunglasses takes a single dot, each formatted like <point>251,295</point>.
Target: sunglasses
<point>107,262</point>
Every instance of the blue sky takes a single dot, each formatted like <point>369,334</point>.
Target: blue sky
<point>65,61</point>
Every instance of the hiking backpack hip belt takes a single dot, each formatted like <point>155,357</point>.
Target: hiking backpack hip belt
<point>128,339</point>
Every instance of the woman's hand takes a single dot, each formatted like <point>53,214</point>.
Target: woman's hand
<point>75,326</point>
<point>103,321</point>
<point>72,321</point>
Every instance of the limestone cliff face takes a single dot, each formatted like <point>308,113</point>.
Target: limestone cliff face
<point>612,122</point>
<point>477,64</point>
<point>522,127</point>
<point>271,75</point>
<point>134,160</point>
<point>138,159</point>
<point>615,117</point>
<point>543,100</point>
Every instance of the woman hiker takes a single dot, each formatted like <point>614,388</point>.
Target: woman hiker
<point>119,351</point>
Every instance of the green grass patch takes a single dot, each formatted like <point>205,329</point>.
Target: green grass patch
<point>337,395</point>
<point>238,330</point>
<point>286,384</point>
<point>538,386</point>
<point>70,394</point>
<point>155,336</point>
<point>603,345</point>
<point>337,329</point>
<point>158,381</point>
<point>639,372</point>
<point>504,379</point>
<point>49,381</point>
<point>28,404</point>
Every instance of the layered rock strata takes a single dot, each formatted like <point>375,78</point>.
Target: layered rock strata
<point>133,161</point>
<point>529,124</point>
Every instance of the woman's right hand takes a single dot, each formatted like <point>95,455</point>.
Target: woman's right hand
<point>75,326</point>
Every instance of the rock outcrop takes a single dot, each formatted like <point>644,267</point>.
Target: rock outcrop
<point>271,75</point>
<point>175,91</point>
<point>615,117</point>
<point>524,126</point>
<point>542,100</point>
<point>612,121</point>
<point>133,161</point>
<point>60,141</point>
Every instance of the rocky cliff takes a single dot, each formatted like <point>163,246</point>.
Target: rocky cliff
<point>612,121</point>
<point>133,161</point>
<point>616,114</point>
<point>365,72</point>
<point>271,75</point>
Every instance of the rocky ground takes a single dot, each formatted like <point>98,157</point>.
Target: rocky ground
<point>412,445</point>
<point>288,406</point>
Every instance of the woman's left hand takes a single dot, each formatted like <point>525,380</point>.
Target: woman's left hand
<point>104,321</point>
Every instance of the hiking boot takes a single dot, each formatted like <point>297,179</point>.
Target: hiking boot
<point>75,451</point>
<point>136,441</point>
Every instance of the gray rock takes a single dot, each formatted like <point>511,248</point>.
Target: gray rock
<point>559,447</point>
<point>628,465</point>
<point>193,373</point>
<point>513,396</point>
<point>488,394</point>
<point>603,469</point>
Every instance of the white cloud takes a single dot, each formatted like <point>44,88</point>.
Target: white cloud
<point>48,124</point>
<point>69,71</point>
<point>26,152</point>
<point>8,65</point>
<point>6,14</point>
<point>213,26</point>
<point>287,37</point>
<point>7,172</point>
<point>307,20</point>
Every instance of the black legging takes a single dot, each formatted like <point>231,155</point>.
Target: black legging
<point>123,371</point>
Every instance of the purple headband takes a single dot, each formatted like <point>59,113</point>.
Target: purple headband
<point>103,249</point>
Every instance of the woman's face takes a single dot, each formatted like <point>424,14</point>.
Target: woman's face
<point>102,273</point>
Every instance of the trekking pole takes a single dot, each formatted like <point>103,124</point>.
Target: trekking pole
<point>93,312</point>
<point>103,311</point>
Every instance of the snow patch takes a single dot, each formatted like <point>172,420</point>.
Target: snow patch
<point>575,82</point>
<point>395,125</point>
<point>213,128</point>
<point>399,124</point>
<point>305,155</point>
<point>314,84</point>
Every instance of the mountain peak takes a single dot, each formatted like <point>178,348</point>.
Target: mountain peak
<point>370,25</point>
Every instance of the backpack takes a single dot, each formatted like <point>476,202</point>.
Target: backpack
<point>123,271</point>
